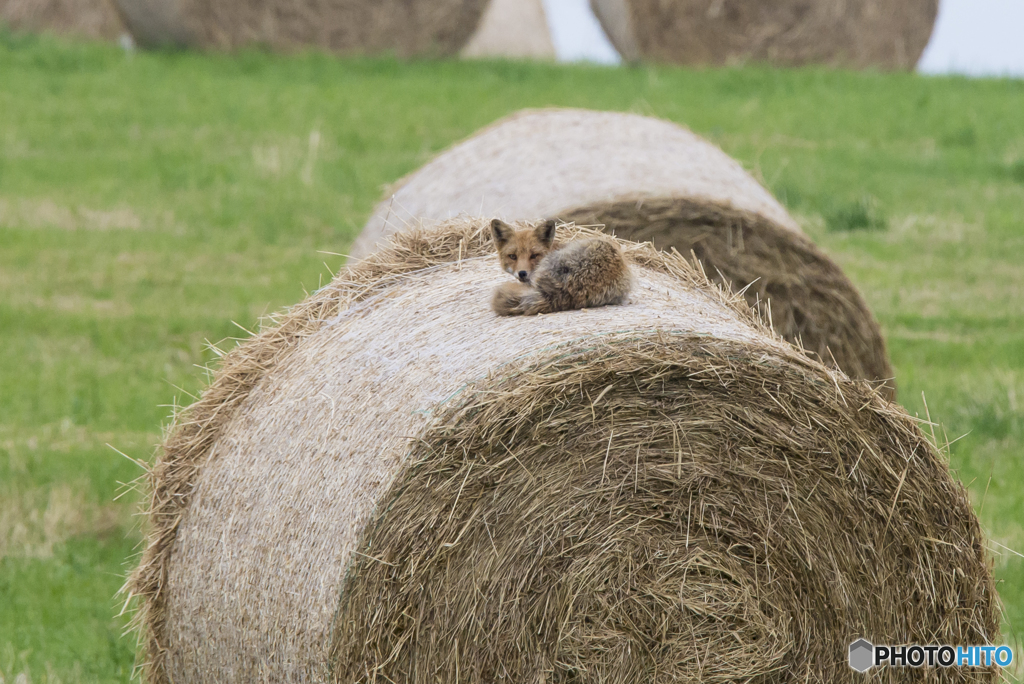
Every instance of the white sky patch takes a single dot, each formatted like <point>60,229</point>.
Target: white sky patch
<point>977,38</point>
<point>577,34</point>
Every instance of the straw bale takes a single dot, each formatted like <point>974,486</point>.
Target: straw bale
<point>512,28</point>
<point>405,27</point>
<point>890,34</point>
<point>86,18</point>
<point>538,163</point>
<point>391,483</point>
<point>648,179</point>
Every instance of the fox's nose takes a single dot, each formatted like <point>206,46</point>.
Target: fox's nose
<point>522,275</point>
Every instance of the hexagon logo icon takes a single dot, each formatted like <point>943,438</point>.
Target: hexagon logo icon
<point>861,655</point>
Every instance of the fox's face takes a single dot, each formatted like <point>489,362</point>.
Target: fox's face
<point>520,251</point>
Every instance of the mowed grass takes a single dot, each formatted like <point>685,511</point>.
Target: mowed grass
<point>149,202</point>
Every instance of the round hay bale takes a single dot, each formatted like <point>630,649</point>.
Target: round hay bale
<point>394,484</point>
<point>405,27</point>
<point>647,179</point>
<point>86,18</point>
<point>890,34</point>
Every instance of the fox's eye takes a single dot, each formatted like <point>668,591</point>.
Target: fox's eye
<point>535,256</point>
<point>511,256</point>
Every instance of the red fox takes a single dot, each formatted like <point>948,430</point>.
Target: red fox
<point>553,277</point>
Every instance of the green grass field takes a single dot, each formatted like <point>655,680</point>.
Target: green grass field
<point>150,201</point>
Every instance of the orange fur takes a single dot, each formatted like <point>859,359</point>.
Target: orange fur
<point>520,251</point>
<point>578,275</point>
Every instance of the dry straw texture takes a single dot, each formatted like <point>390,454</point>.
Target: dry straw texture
<point>539,163</point>
<point>890,34</point>
<point>88,18</point>
<point>648,179</point>
<point>406,27</point>
<point>393,484</point>
<point>801,291</point>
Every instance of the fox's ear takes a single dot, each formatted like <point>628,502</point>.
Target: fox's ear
<point>545,232</point>
<point>501,231</point>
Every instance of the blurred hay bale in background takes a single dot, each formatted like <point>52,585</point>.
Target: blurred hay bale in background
<point>406,27</point>
<point>647,179</point>
<point>393,481</point>
<point>473,28</point>
<point>890,34</point>
<point>86,18</point>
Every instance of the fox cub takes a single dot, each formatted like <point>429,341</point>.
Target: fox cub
<point>554,277</point>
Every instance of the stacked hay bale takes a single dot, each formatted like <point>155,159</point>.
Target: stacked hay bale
<point>890,34</point>
<point>85,18</point>
<point>394,484</point>
<point>473,28</point>
<point>646,179</point>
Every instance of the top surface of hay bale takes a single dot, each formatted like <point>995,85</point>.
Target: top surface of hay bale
<point>406,27</point>
<point>883,33</point>
<point>512,28</point>
<point>538,163</point>
<point>392,424</point>
<point>88,18</point>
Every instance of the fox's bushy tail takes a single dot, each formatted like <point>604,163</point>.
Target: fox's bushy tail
<point>519,299</point>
